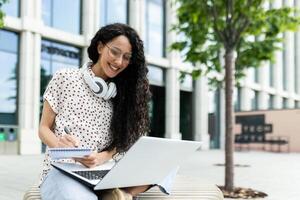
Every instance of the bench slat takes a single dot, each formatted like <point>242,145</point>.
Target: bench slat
<point>185,188</point>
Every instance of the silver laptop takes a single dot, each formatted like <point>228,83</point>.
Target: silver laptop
<point>147,162</point>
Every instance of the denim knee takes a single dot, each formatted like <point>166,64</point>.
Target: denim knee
<point>58,186</point>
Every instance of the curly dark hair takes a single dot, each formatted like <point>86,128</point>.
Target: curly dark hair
<point>130,106</point>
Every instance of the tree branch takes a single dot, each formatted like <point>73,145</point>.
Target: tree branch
<point>241,15</point>
<point>241,30</point>
<point>229,15</point>
<point>214,14</point>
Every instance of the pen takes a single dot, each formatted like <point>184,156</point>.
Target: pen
<point>68,132</point>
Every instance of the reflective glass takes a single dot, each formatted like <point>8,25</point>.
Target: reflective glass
<point>55,56</point>
<point>237,99</point>
<point>285,103</point>
<point>254,99</point>
<point>57,16</point>
<point>8,41</point>
<point>271,101</point>
<point>187,83</point>
<point>154,33</point>
<point>11,8</point>
<point>211,101</point>
<point>156,75</point>
<point>8,77</point>
<point>113,11</point>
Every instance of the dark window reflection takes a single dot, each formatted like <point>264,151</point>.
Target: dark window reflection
<point>54,57</point>
<point>12,8</point>
<point>8,77</point>
<point>186,110</point>
<point>113,11</point>
<point>63,14</point>
<point>157,111</point>
<point>154,28</point>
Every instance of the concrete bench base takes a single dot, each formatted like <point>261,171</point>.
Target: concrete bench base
<point>184,188</point>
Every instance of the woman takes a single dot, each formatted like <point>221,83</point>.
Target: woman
<point>83,101</point>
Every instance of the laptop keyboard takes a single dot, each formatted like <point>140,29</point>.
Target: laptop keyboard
<point>93,174</point>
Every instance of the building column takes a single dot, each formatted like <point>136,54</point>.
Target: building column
<point>29,79</point>
<point>172,104</point>
<point>200,115</point>
<point>277,67</point>
<point>263,95</point>
<point>289,60</point>
<point>137,16</point>
<point>297,54</point>
<point>172,83</point>
<point>90,24</point>
<point>245,100</point>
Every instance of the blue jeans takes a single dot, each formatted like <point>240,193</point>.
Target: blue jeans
<point>58,186</point>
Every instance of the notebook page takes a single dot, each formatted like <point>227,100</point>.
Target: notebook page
<point>59,153</point>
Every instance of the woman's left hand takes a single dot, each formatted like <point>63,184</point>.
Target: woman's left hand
<point>94,159</point>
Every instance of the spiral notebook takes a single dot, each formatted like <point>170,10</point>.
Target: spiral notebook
<point>59,153</point>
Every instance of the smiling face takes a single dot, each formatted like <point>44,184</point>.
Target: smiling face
<point>114,57</point>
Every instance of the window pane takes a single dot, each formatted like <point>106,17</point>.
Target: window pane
<point>54,57</point>
<point>254,99</point>
<point>8,41</point>
<point>113,11</point>
<point>8,78</point>
<point>211,101</point>
<point>187,83</point>
<point>271,101</point>
<point>154,28</point>
<point>237,99</point>
<point>46,12</point>
<point>156,76</point>
<point>11,8</point>
<point>285,103</point>
<point>57,16</point>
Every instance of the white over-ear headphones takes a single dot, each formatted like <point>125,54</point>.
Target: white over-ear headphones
<point>98,86</point>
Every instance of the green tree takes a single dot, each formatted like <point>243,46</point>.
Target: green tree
<point>1,12</point>
<point>243,32</point>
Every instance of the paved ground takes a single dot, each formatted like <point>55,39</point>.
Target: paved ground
<point>276,174</point>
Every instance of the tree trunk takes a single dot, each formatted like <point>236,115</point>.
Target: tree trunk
<point>229,80</point>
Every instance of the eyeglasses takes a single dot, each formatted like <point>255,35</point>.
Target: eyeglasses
<point>116,53</point>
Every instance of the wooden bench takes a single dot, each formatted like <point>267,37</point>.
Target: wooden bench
<point>184,188</point>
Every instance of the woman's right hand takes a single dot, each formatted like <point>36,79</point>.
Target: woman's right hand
<point>67,141</point>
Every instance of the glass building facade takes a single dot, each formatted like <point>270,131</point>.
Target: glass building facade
<point>154,28</point>
<point>113,11</point>
<point>9,59</point>
<point>56,15</point>
<point>12,8</point>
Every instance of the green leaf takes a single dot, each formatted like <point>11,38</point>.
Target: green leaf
<point>204,29</point>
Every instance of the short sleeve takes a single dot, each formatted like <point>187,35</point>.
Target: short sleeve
<point>54,90</point>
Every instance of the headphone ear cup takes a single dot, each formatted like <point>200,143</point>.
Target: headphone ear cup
<point>103,88</point>
<point>112,89</point>
<point>90,81</point>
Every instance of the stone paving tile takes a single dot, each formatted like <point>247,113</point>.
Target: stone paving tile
<point>277,174</point>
